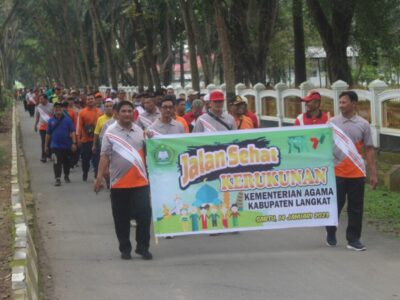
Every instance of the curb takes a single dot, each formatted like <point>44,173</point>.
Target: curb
<point>24,276</point>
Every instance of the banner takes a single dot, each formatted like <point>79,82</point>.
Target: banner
<point>242,180</point>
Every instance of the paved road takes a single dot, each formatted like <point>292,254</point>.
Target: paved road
<point>282,264</point>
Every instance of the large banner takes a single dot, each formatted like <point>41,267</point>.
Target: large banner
<point>242,180</point>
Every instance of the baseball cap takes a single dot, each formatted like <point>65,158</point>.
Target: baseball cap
<point>109,100</point>
<point>312,95</point>
<point>192,92</point>
<point>240,100</point>
<point>98,95</point>
<point>217,96</point>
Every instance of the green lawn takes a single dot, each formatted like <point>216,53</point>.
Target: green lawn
<point>382,210</point>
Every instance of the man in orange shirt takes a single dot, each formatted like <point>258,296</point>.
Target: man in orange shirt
<point>86,124</point>
<point>122,152</point>
<point>238,110</point>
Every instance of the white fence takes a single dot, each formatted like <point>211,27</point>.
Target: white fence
<point>280,106</point>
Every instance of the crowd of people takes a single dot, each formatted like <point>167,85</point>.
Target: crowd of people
<point>107,133</point>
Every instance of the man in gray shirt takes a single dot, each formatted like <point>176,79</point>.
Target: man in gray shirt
<point>150,113</point>
<point>165,124</point>
<point>216,119</point>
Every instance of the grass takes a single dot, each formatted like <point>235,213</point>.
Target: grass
<point>382,210</point>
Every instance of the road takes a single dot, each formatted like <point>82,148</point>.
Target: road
<point>81,246</point>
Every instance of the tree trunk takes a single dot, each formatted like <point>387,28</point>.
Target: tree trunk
<point>186,7</point>
<point>300,73</point>
<point>106,46</point>
<point>96,59</point>
<point>335,36</point>
<point>181,63</point>
<point>226,50</point>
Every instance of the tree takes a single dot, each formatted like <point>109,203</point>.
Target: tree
<point>299,49</point>
<point>334,23</point>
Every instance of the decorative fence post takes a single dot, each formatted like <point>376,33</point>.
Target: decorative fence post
<point>376,87</point>
<point>258,88</point>
<point>280,87</point>
<point>338,87</point>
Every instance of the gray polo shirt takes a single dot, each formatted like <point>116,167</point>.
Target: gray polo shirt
<point>206,123</point>
<point>145,119</point>
<point>357,129</point>
<point>160,128</point>
<point>122,172</point>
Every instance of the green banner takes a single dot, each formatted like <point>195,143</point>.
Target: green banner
<point>242,180</point>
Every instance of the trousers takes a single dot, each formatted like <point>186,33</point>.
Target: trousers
<point>124,203</point>
<point>352,190</point>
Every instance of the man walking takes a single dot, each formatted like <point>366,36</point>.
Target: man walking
<point>44,112</point>
<point>216,119</point>
<point>165,124</point>
<point>122,152</point>
<point>354,134</point>
<point>61,138</point>
<point>150,114</point>
<point>87,119</point>
<point>313,115</point>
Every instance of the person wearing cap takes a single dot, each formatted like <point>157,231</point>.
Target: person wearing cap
<point>191,95</point>
<point>216,119</point>
<point>206,100</point>
<point>61,138</point>
<point>238,110</point>
<point>44,111</point>
<point>350,168</point>
<point>165,124</point>
<point>113,95</point>
<point>170,91</point>
<point>99,101</point>
<point>195,112</point>
<point>313,115</point>
<point>150,114</point>
<point>108,114</point>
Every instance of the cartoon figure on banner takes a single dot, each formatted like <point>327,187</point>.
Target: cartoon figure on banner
<point>178,206</point>
<point>214,216</point>
<point>203,216</point>
<point>224,215</point>
<point>194,217</point>
<point>165,211</point>
<point>184,219</point>
<point>235,215</point>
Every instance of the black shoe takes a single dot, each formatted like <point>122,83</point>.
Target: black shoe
<point>66,179</point>
<point>331,240</point>
<point>146,255</point>
<point>43,160</point>
<point>84,177</point>
<point>58,182</point>
<point>356,245</point>
<point>126,255</point>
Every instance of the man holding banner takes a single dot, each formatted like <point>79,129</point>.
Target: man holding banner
<point>122,151</point>
<point>351,134</point>
<point>215,119</point>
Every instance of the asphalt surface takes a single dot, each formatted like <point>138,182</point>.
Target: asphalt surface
<point>78,236</point>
